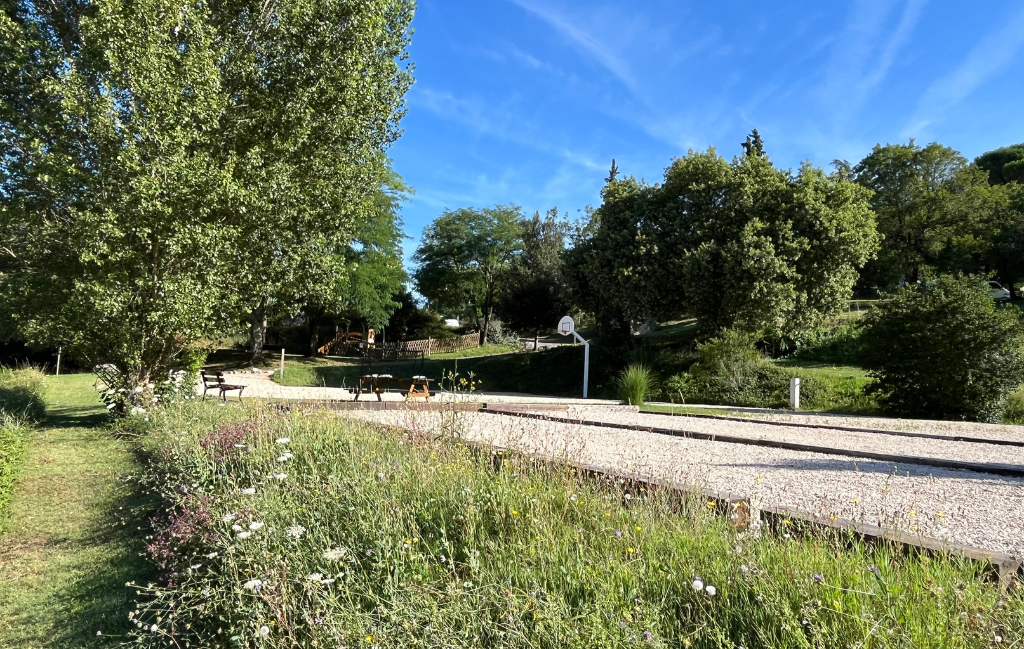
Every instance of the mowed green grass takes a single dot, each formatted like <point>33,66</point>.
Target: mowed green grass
<point>72,540</point>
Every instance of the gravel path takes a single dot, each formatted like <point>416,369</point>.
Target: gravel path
<point>875,442</point>
<point>976,509</point>
<point>934,427</point>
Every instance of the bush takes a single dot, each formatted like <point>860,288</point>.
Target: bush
<point>730,370</point>
<point>1014,413</point>
<point>944,351</point>
<point>21,394</point>
<point>635,383</point>
<point>839,344</point>
<point>374,538</point>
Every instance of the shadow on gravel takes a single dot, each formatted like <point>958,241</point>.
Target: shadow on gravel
<point>875,466</point>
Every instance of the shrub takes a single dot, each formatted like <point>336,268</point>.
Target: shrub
<point>21,394</point>
<point>944,351</point>
<point>364,536</point>
<point>1014,413</point>
<point>731,371</point>
<point>635,383</point>
<point>839,344</point>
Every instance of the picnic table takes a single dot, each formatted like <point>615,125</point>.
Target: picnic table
<point>415,387</point>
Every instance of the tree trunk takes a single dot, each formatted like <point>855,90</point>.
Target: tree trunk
<point>487,325</point>
<point>315,319</point>
<point>257,333</point>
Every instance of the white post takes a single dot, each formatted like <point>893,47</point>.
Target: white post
<point>794,393</point>
<point>586,361</point>
<point>281,375</point>
<point>59,350</point>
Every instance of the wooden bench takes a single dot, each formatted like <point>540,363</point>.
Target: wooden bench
<point>417,387</point>
<point>217,382</point>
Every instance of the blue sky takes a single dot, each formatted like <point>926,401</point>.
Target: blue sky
<point>528,101</point>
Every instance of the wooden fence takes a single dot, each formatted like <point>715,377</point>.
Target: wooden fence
<point>434,345</point>
<point>426,347</point>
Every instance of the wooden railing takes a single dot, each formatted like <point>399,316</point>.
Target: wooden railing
<point>427,346</point>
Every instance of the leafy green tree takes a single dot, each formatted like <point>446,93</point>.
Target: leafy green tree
<point>372,273</point>
<point>1003,165</point>
<point>410,322</point>
<point>944,351</point>
<point>534,295</point>
<point>739,244</point>
<point>936,212</point>
<point>464,257</point>
<point>168,167</point>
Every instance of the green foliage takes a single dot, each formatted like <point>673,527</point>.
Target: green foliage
<point>1014,412</point>
<point>464,256</point>
<point>377,538</point>
<point>1003,165</point>
<point>169,167</point>
<point>944,351</point>
<point>14,434</point>
<point>635,383</point>
<point>937,213</point>
<point>839,344</point>
<point>739,244</point>
<point>21,395</point>
<point>730,370</point>
<point>534,295</point>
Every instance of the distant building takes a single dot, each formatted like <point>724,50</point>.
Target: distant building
<point>452,322</point>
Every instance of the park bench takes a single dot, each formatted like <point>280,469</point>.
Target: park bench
<point>416,387</point>
<point>217,382</point>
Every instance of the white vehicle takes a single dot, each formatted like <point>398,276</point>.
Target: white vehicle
<point>998,293</point>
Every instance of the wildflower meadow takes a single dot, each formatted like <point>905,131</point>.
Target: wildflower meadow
<point>307,529</point>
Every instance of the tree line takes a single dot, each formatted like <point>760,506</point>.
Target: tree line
<point>735,243</point>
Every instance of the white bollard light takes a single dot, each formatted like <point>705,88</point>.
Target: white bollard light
<point>794,393</point>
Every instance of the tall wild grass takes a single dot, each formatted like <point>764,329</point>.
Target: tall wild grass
<point>635,383</point>
<point>309,530</point>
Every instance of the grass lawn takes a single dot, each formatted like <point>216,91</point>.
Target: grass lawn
<point>71,542</point>
<point>556,371</point>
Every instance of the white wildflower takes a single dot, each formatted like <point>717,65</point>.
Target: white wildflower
<point>212,555</point>
<point>698,584</point>
<point>249,491</point>
<point>252,584</point>
<point>710,590</point>
<point>283,440</point>
<point>229,517</point>
<point>285,457</point>
<point>295,531</point>
<point>326,582</point>
<point>236,527</point>
<point>255,525</point>
<point>244,535</point>
<point>334,554</point>
<point>154,629</point>
<point>264,631</point>
<point>314,576</point>
<point>279,476</point>
<point>111,406</point>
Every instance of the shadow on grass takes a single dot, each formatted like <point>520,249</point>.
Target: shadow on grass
<point>74,417</point>
<point>98,598</point>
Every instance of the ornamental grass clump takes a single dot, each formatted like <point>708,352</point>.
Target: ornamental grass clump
<point>364,536</point>
<point>21,394</point>
<point>635,383</point>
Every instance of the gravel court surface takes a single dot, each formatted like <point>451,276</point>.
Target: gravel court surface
<point>930,426</point>
<point>874,442</point>
<point>964,507</point>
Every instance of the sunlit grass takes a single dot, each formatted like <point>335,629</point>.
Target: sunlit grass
<point>305,529</point>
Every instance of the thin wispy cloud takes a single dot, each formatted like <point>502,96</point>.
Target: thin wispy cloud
<point>993,53</point>
<point>600,51</point>
<point>864,52</point>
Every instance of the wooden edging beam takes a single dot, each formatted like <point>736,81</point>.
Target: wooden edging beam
<point>995,469</point>
<point>849,429</point>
